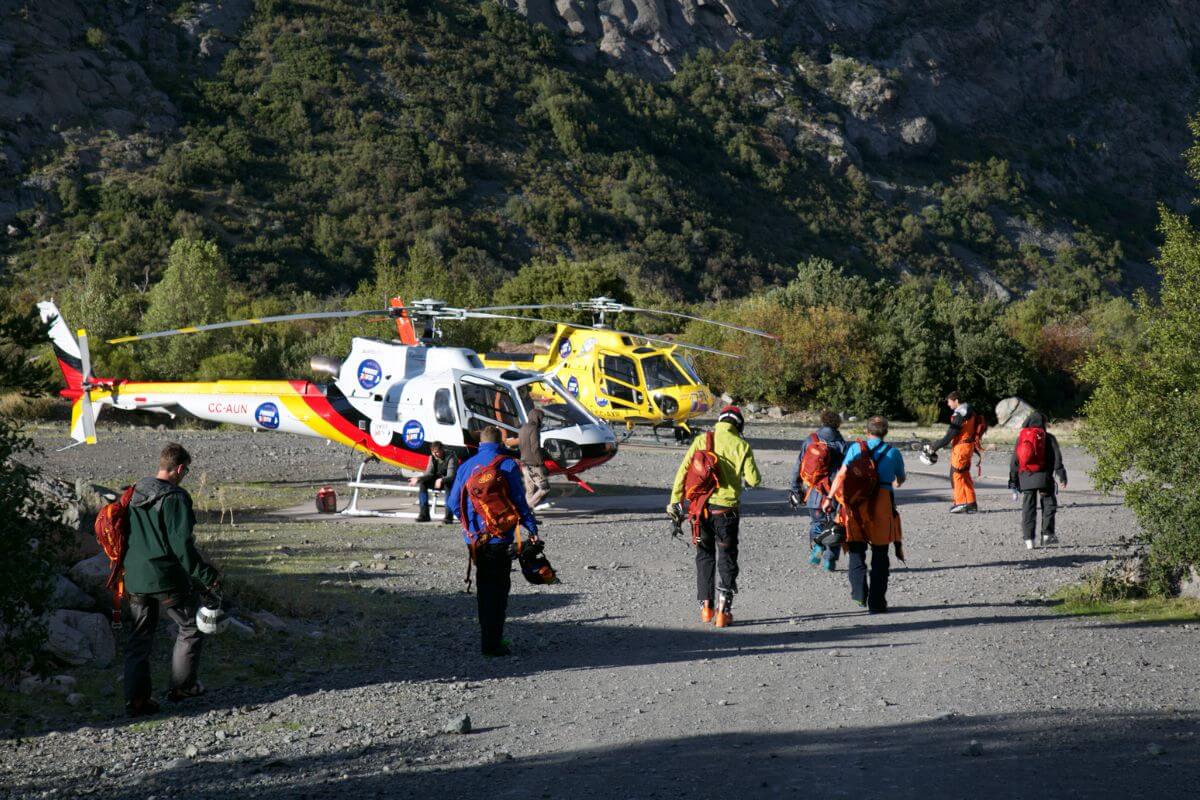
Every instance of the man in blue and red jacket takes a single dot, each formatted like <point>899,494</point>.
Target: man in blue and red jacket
<point>493,558</point>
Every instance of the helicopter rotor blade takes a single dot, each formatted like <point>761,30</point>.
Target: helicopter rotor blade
<point>477,314</point>
<point>85,408</point>
<point>731,326</point>
<point>613,307</point>
<point>241,323</point>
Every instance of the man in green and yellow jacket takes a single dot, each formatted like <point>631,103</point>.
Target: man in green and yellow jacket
<point>717,546</point>
<point>162,570</point>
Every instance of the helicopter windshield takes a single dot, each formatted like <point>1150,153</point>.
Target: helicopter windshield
<point>560,409</point>
<point>689,367</point>
<point>661,372</point>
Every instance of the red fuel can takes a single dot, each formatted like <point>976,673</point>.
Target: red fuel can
<point>326,500</point>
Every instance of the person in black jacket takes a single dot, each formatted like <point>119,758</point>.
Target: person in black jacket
<point>1039,483</point>
<point>439,474</point>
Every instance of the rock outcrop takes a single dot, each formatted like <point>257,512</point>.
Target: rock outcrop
<point>1091,92</point>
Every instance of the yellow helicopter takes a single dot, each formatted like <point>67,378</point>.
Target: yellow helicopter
<point>621,377</point>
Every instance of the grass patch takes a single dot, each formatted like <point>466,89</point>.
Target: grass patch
<point>1079,601</point>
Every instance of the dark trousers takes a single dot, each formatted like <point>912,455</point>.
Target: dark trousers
<point>716,556</point>
<point>493,568</point>
<point>144,610</point>
<point>814,530</point>
<point>1029,502</point>
<point>873,592</point>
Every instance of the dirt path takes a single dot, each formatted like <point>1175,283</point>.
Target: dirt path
<point>971,687</point>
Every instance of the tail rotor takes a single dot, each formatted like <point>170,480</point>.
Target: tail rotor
<point>86,414</point>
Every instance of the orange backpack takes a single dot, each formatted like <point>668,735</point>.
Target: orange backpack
<point>701,483</point>
<point>487,490</point>
<point>112,534</point>
<point>862,475</point>
<point>815,465</point>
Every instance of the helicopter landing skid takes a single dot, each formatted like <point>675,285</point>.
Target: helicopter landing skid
<point>358,484</point>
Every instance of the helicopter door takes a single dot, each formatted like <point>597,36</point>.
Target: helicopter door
<point>485,403</point>
<point>619,381</point>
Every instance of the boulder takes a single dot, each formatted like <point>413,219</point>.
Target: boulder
<point>1190,585</point>
<point>775,412</point>
<point>79,638</point>
<point>1011,412</point>
<point>91,573</point>
<point>68,595</point>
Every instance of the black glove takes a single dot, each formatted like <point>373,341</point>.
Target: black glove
<point>794,499</point>
<point>675,512</point>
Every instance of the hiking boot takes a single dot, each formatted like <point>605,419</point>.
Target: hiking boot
<point>706,611</point>
<point>879,610</point>
<point>178,695</point>
<point>814,557</point>
<point>723,619</point>
<point>859,603</point>
<point>958,508</point>
<point>448,517</point>
<point>1029,544</point>
<point>423,514</point>
<point>1051,538</point>
<point>501,650</point>
<point>141,708</point>
<point>828,564</point>
<point>972,508</point>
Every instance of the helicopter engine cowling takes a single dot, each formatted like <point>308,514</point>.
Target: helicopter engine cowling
<point>325,365</point>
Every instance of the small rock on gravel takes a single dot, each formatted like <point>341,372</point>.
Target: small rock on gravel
<point>974,748</point>
<point>179,763</point>
<point>460,724</point>
<point>1155,749</point>
<point>192,751</point>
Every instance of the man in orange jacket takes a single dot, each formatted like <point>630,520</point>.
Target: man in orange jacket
<point>966,429</point>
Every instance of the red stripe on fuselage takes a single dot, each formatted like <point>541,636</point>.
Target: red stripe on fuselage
<point>320,404</point>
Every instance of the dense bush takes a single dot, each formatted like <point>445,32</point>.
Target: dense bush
<point>1143,419</point>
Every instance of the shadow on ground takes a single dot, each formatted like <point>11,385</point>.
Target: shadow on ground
<point>1052,755</point>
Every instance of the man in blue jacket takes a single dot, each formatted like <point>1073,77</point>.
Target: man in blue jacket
<point>492,558</point>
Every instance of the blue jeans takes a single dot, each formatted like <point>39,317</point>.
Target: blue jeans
<point>814,530</point>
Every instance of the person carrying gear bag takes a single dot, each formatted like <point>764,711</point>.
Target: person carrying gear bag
<point>162,569</point>
<point>439,474</point>
<point>964,434</point>
<point>816,465</point>
<point>1035,466</point>
<point>864,488</point>
<point>714,512</point>
<point>489,498</point>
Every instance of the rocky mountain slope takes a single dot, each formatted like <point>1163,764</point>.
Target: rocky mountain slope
<point>709,146</point>
<point>1082,93</point>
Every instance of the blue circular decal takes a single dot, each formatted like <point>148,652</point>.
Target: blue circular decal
<point>369,374</point>
<point>573,385</point>
<point>414,434</point>
<point>564,349</point>
<point>267,416</point>
<point>600,401</point>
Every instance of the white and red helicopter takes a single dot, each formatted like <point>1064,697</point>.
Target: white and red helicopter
<point>387,400</point>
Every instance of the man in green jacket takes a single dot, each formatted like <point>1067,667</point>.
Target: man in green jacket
<point>718,543</point>
<point>162,568</point>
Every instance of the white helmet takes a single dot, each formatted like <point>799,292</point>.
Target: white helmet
<point>211,620</point>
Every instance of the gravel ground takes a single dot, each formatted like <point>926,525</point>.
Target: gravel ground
<point>972,686</point>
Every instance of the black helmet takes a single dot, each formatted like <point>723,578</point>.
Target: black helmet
<point>534,564</point>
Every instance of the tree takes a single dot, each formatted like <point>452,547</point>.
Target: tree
<point>191,292</point>
<point>1143,419</point>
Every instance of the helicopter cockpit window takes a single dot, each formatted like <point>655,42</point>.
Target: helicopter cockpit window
<point>620,378</point>
<point>661,372</point>
<point>685,362</point>
<point>443,407</point>
<point>491,402</point>
<point>559,408</point>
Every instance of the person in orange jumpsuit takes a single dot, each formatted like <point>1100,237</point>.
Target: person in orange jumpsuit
<point>966,429</point>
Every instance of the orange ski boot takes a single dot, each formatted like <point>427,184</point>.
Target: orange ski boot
<point>706,612</point>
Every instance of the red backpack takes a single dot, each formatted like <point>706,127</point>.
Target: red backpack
<point>112,534</point>
<point>862,475</point>
<point>487,491</point>
<point>700,483</point>
<point>816,465</point>
<point>1031,450</point>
